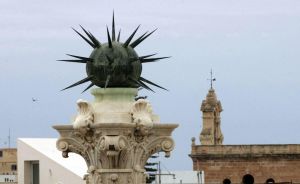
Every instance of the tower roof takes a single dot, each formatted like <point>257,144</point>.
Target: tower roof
<point>211,102</point>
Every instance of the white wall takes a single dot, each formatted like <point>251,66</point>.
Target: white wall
<point>184,177</point>
<point>51,172</point>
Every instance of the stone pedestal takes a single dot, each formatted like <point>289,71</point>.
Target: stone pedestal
<point>115,135</point>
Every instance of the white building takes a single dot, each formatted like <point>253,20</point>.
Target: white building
<point>39,162</point>
<point>180,177</point>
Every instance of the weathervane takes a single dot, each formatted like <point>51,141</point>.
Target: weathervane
<point>114,64</point>
<point>212,79</point>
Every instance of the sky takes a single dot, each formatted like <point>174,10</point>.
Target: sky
<point>253,47</point>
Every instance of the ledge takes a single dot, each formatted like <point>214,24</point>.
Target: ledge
<point>117,125</point>
<point>246,151</point>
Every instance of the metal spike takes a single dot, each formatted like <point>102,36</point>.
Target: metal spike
<point>79,82</point>
<point>107,81</point>
<point>91,37</point>
<point>141,84</point>
<point>146,56</point>
<point>118,39</point>
<point>132,59</point>
<point>82,58</point>
<point>130,37</point>
<point>142,39</point>
<point>137,41</point>
<point>152,59</point>
<point>145,86</point>
<point>89,86</point>
<point>73,60</point>
<point>149,82</point>
<point>85,39</point>
<point>113,32</point>
<point>86,32</point>
<point>95,41</point>
<point>137,83</point>
<point>109,39</point>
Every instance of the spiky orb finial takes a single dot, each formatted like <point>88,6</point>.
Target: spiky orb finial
<point>114,64</point>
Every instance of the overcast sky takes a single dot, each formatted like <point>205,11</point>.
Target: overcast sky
<point>252,46</point>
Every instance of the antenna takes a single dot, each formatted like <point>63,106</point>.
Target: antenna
<point>9,138</point>
<point>212,79</point>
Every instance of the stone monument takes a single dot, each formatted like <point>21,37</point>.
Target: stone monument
<point>116,133</point>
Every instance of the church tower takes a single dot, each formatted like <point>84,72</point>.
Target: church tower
<point>211,109</point>
<point>244,164</point>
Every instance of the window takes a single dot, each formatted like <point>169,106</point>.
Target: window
<point>14,167</point>
<point>1,153</point>
<point>248,179</point>
<point>226,181</point>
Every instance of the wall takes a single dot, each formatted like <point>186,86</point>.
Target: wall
<point>280,162</point>
<point>8,158</point>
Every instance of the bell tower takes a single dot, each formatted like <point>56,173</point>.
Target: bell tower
<point>211,109</point>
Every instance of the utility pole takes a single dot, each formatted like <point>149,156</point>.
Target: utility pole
<point>9,138</point>
<point>159,173</point>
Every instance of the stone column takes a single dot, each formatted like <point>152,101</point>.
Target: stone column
<point>115,135</point>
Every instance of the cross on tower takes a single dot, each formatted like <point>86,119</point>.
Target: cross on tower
<point>212,79</point>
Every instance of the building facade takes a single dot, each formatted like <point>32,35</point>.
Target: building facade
<point>40,162</point>
<point>8,165</point>
<point>245,164</point>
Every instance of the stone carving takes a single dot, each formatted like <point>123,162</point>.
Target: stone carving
<point>142,116</point>
<point>111,150</point>
<point>193,139</point>
<point>112,147</point>
<point>93,176</point>
<point>114,178</point>
<point>85,115</point>
<point>116,152</point>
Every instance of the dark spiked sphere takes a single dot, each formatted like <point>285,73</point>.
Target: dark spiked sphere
<point>114,64</point>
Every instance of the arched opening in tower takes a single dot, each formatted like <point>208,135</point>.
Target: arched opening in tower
<point>226,181</point>
<point>270,180</point>
<point>248,179</point>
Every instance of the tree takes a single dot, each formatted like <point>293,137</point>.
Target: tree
<point>151,170</point>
